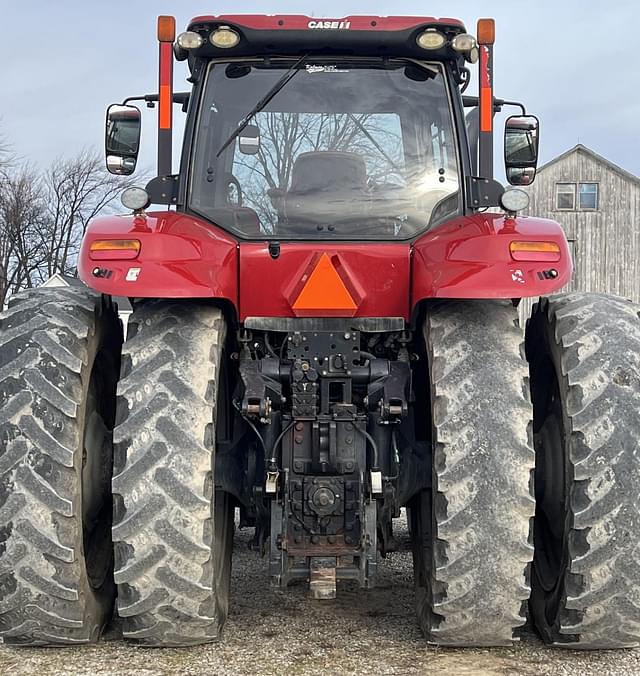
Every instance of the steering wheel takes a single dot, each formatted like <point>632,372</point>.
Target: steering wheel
<point>232,182</point>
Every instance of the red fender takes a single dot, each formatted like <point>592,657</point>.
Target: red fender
<point>180,256</point>
<point>469,257</point>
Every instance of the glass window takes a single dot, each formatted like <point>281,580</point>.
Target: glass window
<point>588,195</point>
<point>521,141</point>
<point>345,150</point>
<point>565,195</point>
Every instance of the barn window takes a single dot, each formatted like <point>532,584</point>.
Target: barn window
<point>588,195</point>
<point>565,195</point>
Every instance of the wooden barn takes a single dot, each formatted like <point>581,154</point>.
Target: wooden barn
<point>598,205</point>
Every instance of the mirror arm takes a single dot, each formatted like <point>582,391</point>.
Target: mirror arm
<point>517,104</point>
<point>163,189</point>
<point>483,192</point>
<point>181,98</point>
<point>472,102</point>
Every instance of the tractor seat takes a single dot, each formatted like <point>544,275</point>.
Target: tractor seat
<point>326,187</point>
<point>328,171</point>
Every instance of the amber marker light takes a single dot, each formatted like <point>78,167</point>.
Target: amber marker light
<point>166,29</point>
<point>114,249</point>
<point>486,30</point>
<point>535,251</point>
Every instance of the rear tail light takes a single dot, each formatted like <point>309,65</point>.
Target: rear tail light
<point>535,251</point>
<point>114,249</point>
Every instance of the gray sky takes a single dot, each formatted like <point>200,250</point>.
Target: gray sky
<point>573,63</point>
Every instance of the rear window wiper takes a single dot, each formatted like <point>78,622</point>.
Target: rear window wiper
<point>262,103</point>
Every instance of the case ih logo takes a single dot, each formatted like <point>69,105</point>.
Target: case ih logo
<point>333,25</point>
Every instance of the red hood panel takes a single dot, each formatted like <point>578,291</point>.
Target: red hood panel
<point>375,276</point>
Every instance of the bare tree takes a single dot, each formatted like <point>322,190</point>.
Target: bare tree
<point>21,215</point>
<point>76,190</point>
<point>7,158</point>
<point>44,216</point>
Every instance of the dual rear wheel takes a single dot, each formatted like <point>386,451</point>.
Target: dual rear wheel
<point>473,531</point>
<point>479,554</point>
<point>584,355</point>
<point>59,362</point>
<point>171,531</point>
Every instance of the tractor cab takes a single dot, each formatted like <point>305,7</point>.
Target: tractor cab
<point>351,129</point>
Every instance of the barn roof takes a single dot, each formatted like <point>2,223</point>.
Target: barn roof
<point>598,158</point>
<point>58,279</point>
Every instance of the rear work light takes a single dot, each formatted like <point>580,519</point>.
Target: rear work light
<point>431,39</point>
<point>189,40</point>
<point>224,38</point>
<point>135,198</point>
<point>464,42</point>
<point>466,45</point>
<point>535,251</point>
<point>513,200</point>
<point>114,249</point>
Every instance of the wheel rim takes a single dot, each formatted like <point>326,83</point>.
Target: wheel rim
<point>224,510</point>
<point>97,460</point>
<point>223,518</point>
<point>550,520</point>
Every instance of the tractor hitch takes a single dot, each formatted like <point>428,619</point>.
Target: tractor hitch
<point>325,413</point>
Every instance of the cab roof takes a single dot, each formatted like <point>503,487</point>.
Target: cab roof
<point>297,34</point>
<point>303,22</point>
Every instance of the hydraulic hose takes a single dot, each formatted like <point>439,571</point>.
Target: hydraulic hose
<point>374,449</point>
<point>273,460</point>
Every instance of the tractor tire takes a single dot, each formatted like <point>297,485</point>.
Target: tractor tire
<point>584,355</point>
<point>472,532</point>
<point>59,365</point>
<point>173,530</point>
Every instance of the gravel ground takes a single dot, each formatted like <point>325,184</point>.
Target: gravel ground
<point>287,633</point>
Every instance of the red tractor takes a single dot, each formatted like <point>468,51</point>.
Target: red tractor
<point>324,331</point>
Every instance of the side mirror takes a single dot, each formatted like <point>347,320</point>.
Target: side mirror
<point>249,140</point>
<point>122,139</point>
<point>521,149</point>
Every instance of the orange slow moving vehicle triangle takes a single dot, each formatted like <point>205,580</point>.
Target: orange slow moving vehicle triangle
<point>324,290</point>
